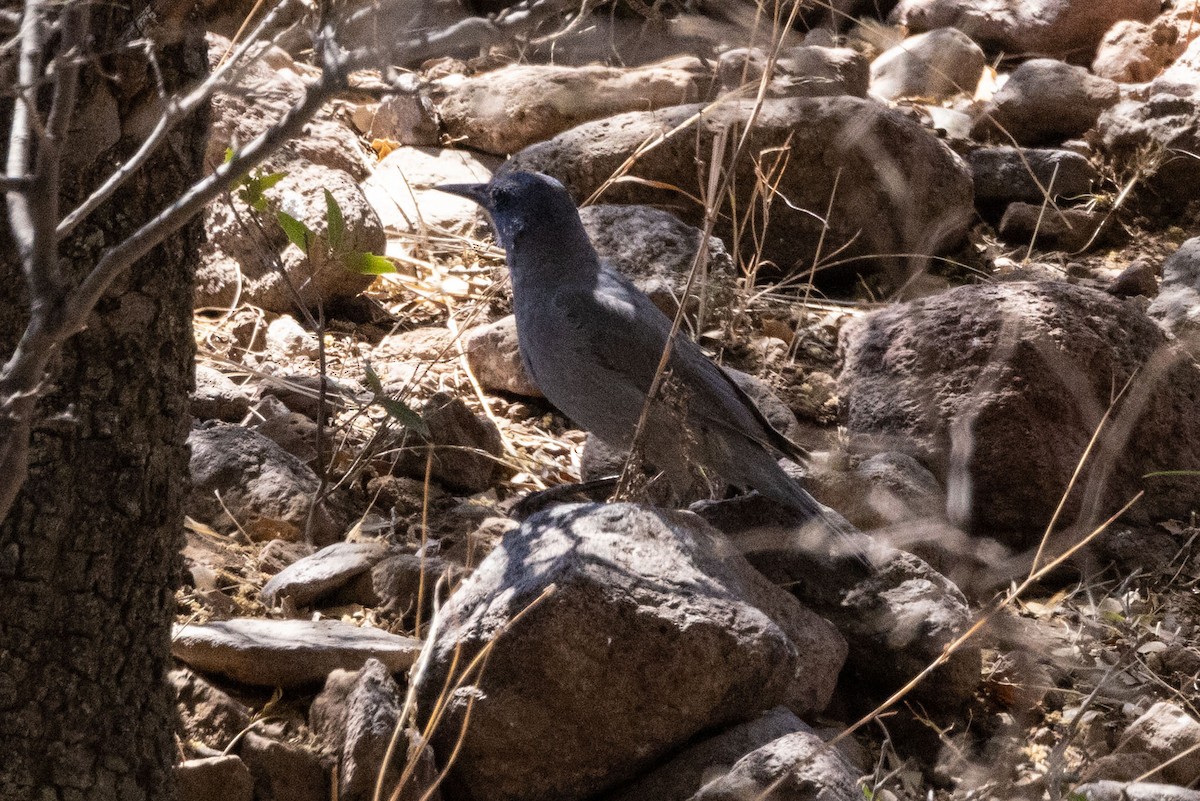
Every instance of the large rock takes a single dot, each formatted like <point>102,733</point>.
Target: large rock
<point>888,185</point>
<point>655,250</point>
<point>265,89</point>
<point>655,631</point>
<point>935,65</point>
<point>507,109</point>
<point>999,388</point>
<point>1137,52</point>
<point>1050,27</point>
<point>1046,101</point>
<point>241,478</point>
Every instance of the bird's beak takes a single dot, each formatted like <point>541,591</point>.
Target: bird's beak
<point>475,192</point>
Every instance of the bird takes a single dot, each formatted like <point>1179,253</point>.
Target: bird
<point>591,342</point>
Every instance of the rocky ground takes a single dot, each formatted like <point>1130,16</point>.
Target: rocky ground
<point>954,260</point>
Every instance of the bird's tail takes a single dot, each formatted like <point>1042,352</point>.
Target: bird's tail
<point>820,528</point>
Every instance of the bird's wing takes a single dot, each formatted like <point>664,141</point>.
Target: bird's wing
<point>627,332</point>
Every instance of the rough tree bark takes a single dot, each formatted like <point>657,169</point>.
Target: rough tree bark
<point>89,555</point>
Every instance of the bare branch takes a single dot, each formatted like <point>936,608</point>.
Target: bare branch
<point>21,140</point>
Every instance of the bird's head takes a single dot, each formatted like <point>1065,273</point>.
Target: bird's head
<point>519,202</point>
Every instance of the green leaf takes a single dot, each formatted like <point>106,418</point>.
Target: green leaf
<point>396,409</point>
<point>1172,474</point>
<point>297,232</point>
<point>367,263</point>
<point>402,413</point>
<point>228,154</point>
<point>372,377</point>
<point>265,182</point>
<point>256,185</point>
<point>335,220</point>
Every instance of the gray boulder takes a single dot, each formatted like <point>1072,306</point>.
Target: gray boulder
<point>639,629</point>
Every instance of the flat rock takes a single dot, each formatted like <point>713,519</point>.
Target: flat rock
<point>1053,27</point>
<point>306,580</point>
<point>504,110</point>
<point>287,653</point>
<point>1135,791</point>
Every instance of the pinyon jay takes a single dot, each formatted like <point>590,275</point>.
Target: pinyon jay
<point>592,341</point>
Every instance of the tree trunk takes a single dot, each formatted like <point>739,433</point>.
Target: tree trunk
<point>89,556</point>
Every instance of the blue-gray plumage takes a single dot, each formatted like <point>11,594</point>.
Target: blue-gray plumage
<point>592,341</point>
